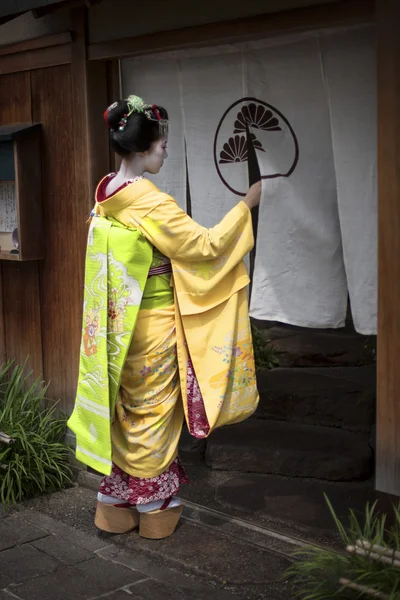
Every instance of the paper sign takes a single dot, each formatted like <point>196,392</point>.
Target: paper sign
<point>8,209</point>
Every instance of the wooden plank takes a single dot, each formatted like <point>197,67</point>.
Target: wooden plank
<point>45,41</point>
<point>90,85</point>
<point>81,135</point>
<point>14,93</point>
<point>7,18</point>
<point>113,80</point>
<point>20,282</point>
<point>22,314</point>
<point>35,59</point>
<point>113,94</point>
<point>28,173</point>
<point>8,256</point>
<point>42,11</point>
<point>388,413</point>
<point>97,84</point>
<point>60,98</point>
<point>64,214</point>
<point>238,30</point>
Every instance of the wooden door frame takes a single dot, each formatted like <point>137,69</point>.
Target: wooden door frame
<point>388,370</point>
<point>46,51</point>
<point>345,12</point>
<point>351,12</point>
<point>59,49</point>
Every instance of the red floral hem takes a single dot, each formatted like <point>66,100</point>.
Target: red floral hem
<point>198,422</point>
<point>138,490</point>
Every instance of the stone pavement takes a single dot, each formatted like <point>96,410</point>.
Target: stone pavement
<point>49,550</point>
<point>44,559</point>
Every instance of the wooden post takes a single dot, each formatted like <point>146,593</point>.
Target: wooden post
<point>388,367</point>
<point>113,94</point>
<point>89,85</point>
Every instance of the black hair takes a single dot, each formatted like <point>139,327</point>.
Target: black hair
<point>139,132</point>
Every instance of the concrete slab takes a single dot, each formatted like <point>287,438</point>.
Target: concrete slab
<point>290,449</point>
<point>90,579</point>
<point>290,506</point>
<point>4,595</point>
<point>302,347</point>
<point>14,531</point>
<point>153,568</point>
<point>118,595</point>
<point>154,590</point>
<point>332,397</point>
<point>297,502</point>
<point>63,549</point>
<point>55,527</point>
<point>212,555</point>
<point>23,563</point>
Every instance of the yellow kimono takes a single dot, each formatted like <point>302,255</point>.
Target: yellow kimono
<point>192,352</point>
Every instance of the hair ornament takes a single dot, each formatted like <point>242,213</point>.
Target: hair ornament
<point>153,114</point>
<point>138,105</point>
<point>105,114</point>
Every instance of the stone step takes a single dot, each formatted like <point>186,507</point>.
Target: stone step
<point>290,506</point>
<point>333,397</point>
<point>293,450</point>
<point>301,347</point>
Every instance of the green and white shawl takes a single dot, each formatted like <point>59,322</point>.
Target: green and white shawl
<point>118,260</point>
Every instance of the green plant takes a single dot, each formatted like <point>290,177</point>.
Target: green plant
<point>369,569</point>
<point>33,458</point>
<point>264,353</point>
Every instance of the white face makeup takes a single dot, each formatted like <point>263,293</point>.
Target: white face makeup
<point>154,158</point>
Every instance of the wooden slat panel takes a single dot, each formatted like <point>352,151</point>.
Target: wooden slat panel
<point>21,300</point>
<point>388,425</point>
<point>90,85</point>
<point>28,170</point>
<point>65,214</point>
<point>20,282</point>
<point>97,79</point>
<point>81,113</point>
<point>45,41</point>
<point>53,6</point>
<point>15,99</point>
<point>113,94</point>
<point>35,59</point>
<point>60,100</point>
<point>238,30</point>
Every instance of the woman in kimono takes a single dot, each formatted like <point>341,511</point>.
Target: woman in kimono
<point>189,353</point>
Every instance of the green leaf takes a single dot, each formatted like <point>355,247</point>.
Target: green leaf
<point>38,461</point>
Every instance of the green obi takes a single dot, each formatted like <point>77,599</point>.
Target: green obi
<point>118,260</point>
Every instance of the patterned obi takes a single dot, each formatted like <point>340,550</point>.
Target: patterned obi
<point>161,265</point>
<point>160,270</point>
<point>158,292</point>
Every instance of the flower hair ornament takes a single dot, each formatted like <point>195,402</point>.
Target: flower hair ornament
<point>137,105</point>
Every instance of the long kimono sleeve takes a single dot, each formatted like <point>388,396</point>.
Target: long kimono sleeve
<point>177,236</point>
<point>214,346</point>
<point>207,263</point>
<point>215,353</point>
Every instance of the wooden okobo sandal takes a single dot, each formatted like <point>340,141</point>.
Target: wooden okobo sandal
<point>159,524</point>
<point>116,518</point>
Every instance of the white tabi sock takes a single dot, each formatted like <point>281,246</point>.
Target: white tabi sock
<point>110,499</point>
<point>144,508</point>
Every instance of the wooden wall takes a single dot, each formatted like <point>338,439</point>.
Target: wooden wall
<point>41,300</point>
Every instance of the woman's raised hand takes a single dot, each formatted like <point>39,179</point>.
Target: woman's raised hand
<point>253,196</point>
